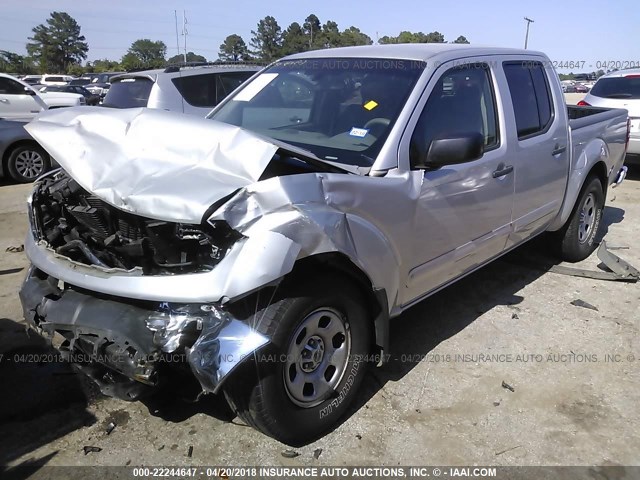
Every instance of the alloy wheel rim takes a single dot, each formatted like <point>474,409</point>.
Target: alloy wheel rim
<point>29,164</point>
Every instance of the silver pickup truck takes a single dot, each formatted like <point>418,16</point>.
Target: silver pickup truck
<point>263,251</point>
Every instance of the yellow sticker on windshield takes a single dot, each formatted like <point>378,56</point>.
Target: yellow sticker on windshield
<point>370,105</point>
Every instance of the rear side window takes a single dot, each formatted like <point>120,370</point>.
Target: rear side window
<point>530,96</point>
<point>209,89</point>
<point>129,93</point>
<point>197,90</point>
<point>617,87</point>
<point>10,87</point>
<point>228,82</point>
<point>54,79</point>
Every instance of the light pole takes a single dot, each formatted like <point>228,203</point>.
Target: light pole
<point>526,38</point>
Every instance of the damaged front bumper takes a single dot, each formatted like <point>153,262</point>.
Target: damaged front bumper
<point>125,345</point>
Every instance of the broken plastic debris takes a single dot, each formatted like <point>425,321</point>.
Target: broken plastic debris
<point>14,249</point>
<point>583,304</point>
<point>507,386</point>
<point>89,449</point>
<point>317,452</point>
<point>190,452</point>
<point>515,316</point>
<point>290,454</point>
<point>110,428</point>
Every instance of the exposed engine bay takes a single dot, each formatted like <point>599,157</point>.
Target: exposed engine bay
<point>86,229</point>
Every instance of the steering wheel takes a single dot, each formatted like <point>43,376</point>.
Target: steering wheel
<point>376,125</point>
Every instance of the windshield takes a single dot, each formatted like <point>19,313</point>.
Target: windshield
<point>340,109</point>
<point>617,87</point>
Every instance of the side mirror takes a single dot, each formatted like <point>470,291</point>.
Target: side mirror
<point>29,91</point>
<point>462,148</point>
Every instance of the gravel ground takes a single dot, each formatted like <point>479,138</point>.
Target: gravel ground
<point>440,401</point>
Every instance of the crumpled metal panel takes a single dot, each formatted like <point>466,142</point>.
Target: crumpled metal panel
<point>223,344</point>
<point>157,164</point>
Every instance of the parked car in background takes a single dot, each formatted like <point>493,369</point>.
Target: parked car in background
<point>57,99</point>
<point>90,98</point>
<point>21,158</point>
<point>56,79</point>
<point>187,89</point>
<point>82,81</point>
<point>18,101</point>
<point>269,246</point>
<point>101,82</point>
<point>580,88</point>
<point>32,79</point>
<point>620,89</point>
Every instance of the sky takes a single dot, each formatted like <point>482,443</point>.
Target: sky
<point>591,33</point>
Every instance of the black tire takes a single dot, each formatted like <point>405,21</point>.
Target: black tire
<point>578,238</point>
<point>27,162</point>
<point>259,393</point>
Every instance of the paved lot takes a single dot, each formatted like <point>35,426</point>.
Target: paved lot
<point>571,405</point>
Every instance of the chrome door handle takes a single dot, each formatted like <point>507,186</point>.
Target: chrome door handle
<point>4,100</point>
<point>502,171</point>
<point>557,150</point>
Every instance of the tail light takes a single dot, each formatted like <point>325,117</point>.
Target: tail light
<point>632,76</point>
<point>582,103</point>
<point>628,134</point>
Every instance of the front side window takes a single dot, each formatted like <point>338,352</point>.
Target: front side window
<point>461,102</point>
<point>11,87</point>
<point>340,109</point>
<point>530,96</point>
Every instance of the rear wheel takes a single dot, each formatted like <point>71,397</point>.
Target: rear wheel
<point>303,382</point>
<point>578,238</point>
<point>27,162</point>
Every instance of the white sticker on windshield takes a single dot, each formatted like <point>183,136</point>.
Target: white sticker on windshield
<point>255,87</point>
<point>358,132</point>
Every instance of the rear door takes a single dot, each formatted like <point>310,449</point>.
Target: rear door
<point>539,145</point>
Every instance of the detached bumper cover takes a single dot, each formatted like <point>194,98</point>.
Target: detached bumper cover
<point>115,341</point>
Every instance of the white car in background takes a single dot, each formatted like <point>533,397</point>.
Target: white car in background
<point>620,89</point>
<point>19,101</point>
<point>56,79</point>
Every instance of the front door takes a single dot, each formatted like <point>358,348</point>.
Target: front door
<point>463,212</point>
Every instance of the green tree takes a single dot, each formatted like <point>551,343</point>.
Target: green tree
<point>294,40</point>
<point>233,49</point>
<point>311,28</point>
<point>267,39</point>
<point>104,65</point>
<point>145,53</point>
<point>353,36</point>
<point>329,37</point>
<point>58,44</point>
<point>14,63</point>
<point>434,37</point>
<point>191,57</point>
<point>461,39</point>
<point>411,37</point>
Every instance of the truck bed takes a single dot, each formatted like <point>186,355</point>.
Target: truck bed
<point>582,116</point>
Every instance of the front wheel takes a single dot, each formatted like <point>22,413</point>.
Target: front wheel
<point>303,382</point>
<point>27,162</point>
<point>578,238</point>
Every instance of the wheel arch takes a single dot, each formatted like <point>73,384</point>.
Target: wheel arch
<point>341,264</point>
<point>4,167</point>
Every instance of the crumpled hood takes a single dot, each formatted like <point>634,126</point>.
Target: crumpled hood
<point>163,165</point>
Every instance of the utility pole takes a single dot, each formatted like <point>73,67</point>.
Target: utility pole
<point>184,33</point>
<point>526,38</point>
<point>175,14</point>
